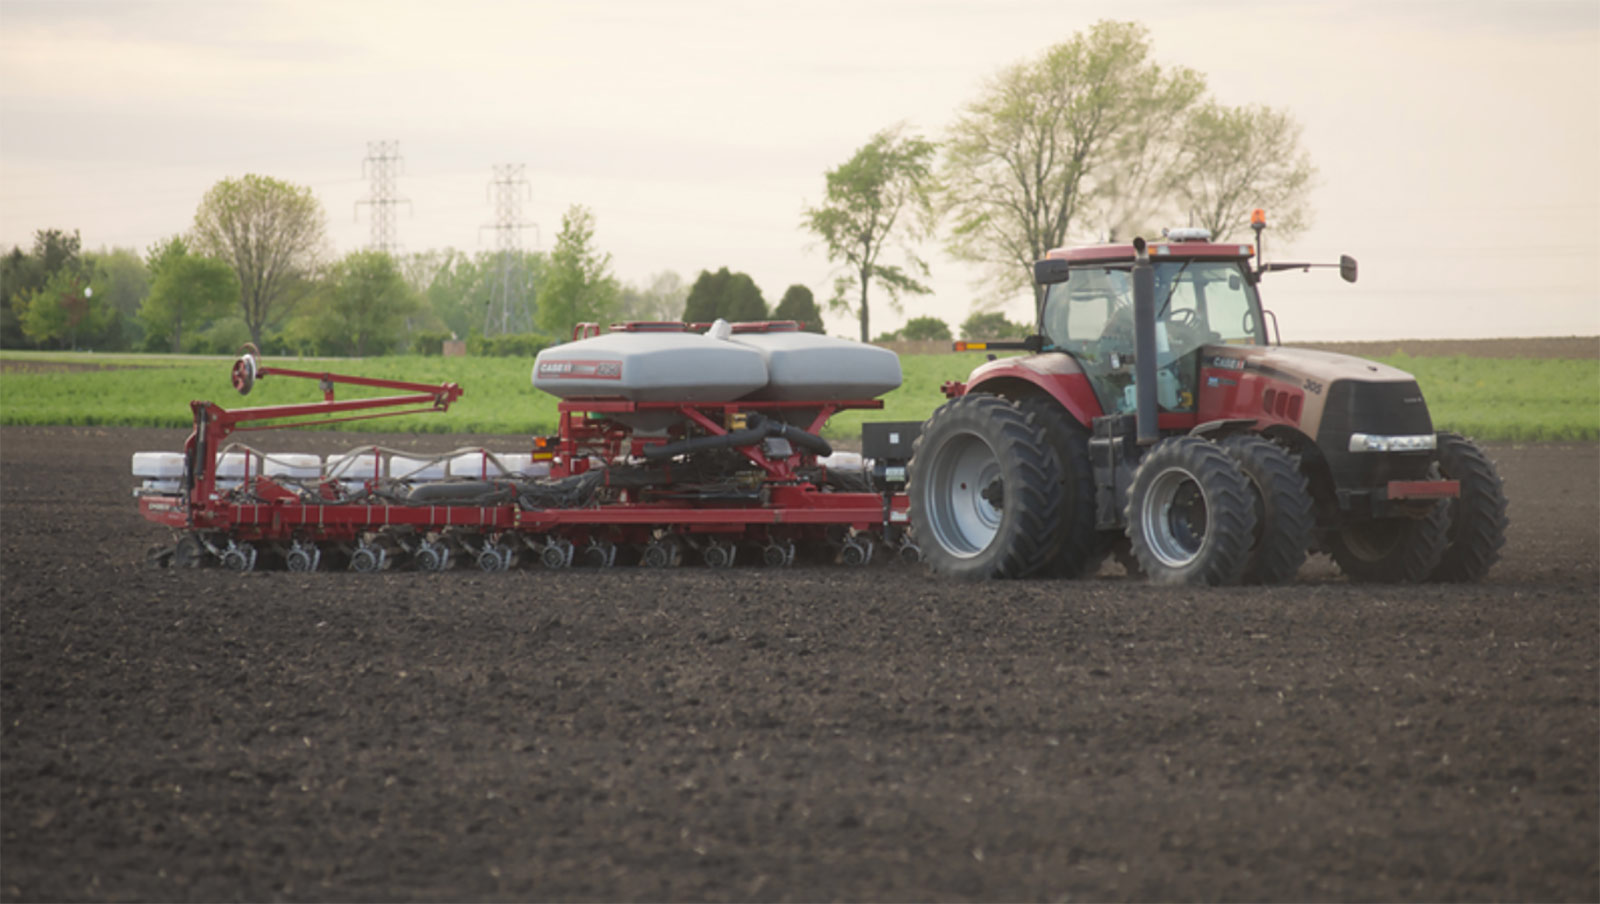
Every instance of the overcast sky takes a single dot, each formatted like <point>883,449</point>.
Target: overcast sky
<point>1457,143</point>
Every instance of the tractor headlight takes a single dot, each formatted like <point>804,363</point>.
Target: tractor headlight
<point>1368,442</point>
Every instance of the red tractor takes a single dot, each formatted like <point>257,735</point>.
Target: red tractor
<point>1152,419</point>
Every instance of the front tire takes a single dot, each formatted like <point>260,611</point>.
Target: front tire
<point>1190,514</point>
<point>982,493</point>
<point>1398,550</point>
<point>1477,518</point>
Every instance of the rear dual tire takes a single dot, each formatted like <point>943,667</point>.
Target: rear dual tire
<point>1191,514</point>
<point>1285,522</point>
<point>983,492</point>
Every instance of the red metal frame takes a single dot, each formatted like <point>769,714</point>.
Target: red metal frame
<point>274,513</point>
<point>213,424</point>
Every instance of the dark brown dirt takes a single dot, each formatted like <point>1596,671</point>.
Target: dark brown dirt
<point>809,734</point>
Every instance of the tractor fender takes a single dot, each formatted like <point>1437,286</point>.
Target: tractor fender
<point>1054,374</point>
<point>1220,428</point>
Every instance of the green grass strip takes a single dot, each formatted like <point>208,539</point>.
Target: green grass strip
<point>1521,400</point>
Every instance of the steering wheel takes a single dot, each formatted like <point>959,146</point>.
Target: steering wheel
<point>1184,317</point>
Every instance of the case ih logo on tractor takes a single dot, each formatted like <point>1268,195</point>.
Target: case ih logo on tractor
<point>1150,419</point>
<point>1153,420</point>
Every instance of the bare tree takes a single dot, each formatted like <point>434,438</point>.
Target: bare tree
<point>271,233</point>
<point>1052,140</point>
<point>1235,159</point>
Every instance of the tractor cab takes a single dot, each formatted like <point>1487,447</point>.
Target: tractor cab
<point>1205,295</point>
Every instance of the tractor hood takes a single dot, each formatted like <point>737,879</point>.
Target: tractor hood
<point>1324,367</point>
<point>1325,395</point>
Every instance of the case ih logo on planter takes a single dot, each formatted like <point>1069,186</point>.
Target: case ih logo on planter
<point>581,370</point>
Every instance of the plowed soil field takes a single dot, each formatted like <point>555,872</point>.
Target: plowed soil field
<point>804,734</point>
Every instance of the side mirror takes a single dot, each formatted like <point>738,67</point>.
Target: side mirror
<point>1347,268</point>
<point>1050,271</point>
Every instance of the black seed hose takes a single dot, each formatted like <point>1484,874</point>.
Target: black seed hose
<point>763,429</point>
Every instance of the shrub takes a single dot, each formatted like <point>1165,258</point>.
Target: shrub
<point>508,345</point>
<point>919,329</point>
<point>430,342</point>
<point>993,326</point>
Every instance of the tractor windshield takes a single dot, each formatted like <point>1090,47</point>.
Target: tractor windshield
<point>1198,303</point>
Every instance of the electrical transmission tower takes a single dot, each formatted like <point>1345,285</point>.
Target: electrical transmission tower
<point>382,164</point>
<point>509,310</point>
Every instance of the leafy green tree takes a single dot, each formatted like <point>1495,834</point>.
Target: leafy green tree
<point>578,286</point>
<point>799,305</point>
<point>877,198</point>
<point>1046,143</point>
<point>1235,159</point>
<point>122,275</point>
<point>189,291</point>
<point>447,281</point>
<point>362,308</point>
<point>923,329</point>
<point>65,309</point>
<point>14,268</point>
<point>272,234</point>
<point>24,273</point>
<point>993,325</point>
<point>734,297</point>
<point>662,299</point>
<point>457,288</point>
<point>224,335</point>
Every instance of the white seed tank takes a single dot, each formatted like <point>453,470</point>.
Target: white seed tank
<point>651,366</point>
<point>804,367</point>
<point>761,361</point>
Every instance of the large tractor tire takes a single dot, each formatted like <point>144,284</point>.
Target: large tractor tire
<point>1071,549</point>
<point>1284,518</point>
<point>1477,518</point>
<point>1190,514</point>
<point>981,491</point>
<point>1398,550</point>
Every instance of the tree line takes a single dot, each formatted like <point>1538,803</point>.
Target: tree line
<point>250,270</point>
<point>1091,140</point>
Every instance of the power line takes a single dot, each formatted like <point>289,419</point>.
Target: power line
<point>508,310</point>
<point>381,166</point>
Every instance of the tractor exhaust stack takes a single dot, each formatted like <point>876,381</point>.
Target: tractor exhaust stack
<point>1144,343</point>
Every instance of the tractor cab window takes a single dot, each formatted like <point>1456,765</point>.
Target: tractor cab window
<point>1198,303</point>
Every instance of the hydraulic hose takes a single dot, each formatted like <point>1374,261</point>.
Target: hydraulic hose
<point>460,493</point>
<point>763,429</point>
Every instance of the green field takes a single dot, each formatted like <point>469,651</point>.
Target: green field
<point>1491,399</point>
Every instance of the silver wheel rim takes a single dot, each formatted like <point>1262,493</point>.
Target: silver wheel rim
<point>964,522</point>
<point>1175,518</point>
